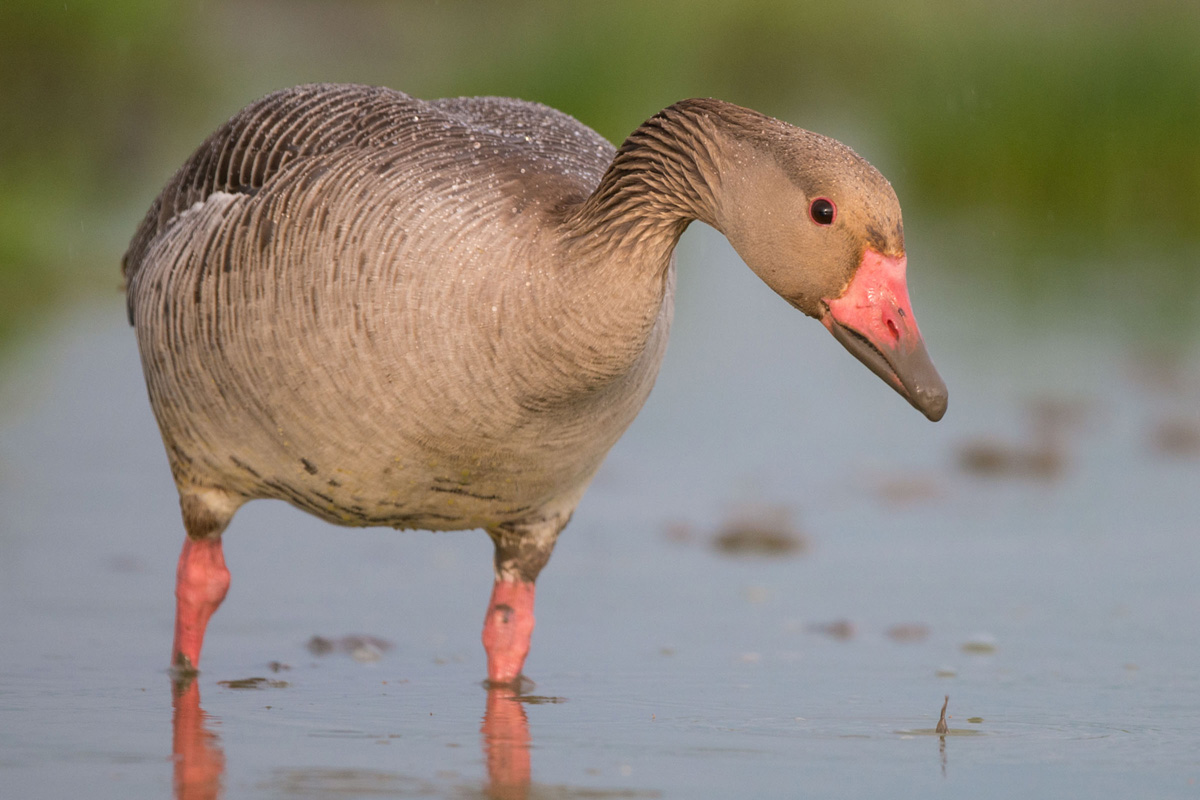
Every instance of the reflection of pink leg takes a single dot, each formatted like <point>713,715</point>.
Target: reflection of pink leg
<point>199,760</point>
<point>201,582</point>
<point>507,630</point>
<point>506,746</point>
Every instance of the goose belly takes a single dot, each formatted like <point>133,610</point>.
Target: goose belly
<point>362,426</point>
<point>368,458</point>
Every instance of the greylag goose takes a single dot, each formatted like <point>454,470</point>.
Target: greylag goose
<point>442,314</point>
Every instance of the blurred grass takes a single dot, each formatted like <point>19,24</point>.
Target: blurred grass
<point>1047,136</point>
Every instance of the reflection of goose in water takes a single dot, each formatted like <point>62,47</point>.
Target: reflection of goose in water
<point>506,744</point>
<point>199,759</point>
<point>441,315</point>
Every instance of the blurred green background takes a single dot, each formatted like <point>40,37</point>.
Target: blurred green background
<point>1043,144</point>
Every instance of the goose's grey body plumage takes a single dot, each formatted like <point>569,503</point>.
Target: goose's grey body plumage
<point>322,320</point>
<point>442,314</point>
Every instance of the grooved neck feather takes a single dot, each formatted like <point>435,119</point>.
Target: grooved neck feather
<point>665,175</point>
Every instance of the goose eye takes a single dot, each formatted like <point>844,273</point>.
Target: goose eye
<point>822,211</point>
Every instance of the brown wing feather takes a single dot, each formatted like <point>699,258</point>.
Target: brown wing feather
<point>243,154</point>
<point>316,120</point>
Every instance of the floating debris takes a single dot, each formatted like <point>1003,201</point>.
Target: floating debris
<point>980,644</point>
<point>1053,417</point>
<point>838,629</point>
<point>278,666</point>
<point>1160,372</point>
<point>905,490</point>
<point>254,683</point>
<point>320,646</point>
<point>993,458</point>
<point>1042,456</point>
<point>539,699</point>
<point>1176,437</point>
<point>364,649</point>
<point>908,632</point>
<point>942,727</point>
<point>761,531</point>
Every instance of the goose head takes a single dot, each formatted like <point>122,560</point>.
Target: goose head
<point>822,227</point>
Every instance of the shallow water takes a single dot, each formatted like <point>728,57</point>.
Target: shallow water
<point>1049,588</point>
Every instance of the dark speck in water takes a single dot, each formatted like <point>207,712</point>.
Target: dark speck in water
<point>253,683</point>
<point>1159,372</point>
<point>995,459</point>
<point>278,666</point>
<point>903,490</point>
<point>320,646</point>
<point>838,629</point>
<point>360,648</point>
<point>538,699</point>
<point>983,644</point>
<point>1179,438</point>
<point>762,532</point>
<point>1051,417</point>
<point>908,632</point>
<point>1042,456</point>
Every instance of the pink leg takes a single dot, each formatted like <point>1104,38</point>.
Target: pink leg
<point>201,582</point>
<point>507,630</point>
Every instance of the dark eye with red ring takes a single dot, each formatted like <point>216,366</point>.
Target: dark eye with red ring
<point>822,211</point>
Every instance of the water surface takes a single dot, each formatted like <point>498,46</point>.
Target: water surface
<point>1049,586</point>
